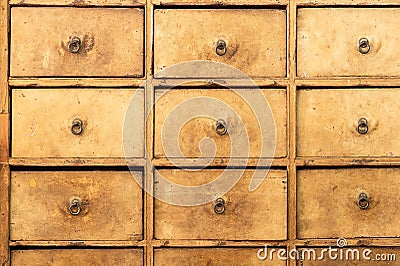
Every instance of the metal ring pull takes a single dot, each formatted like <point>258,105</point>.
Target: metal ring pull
<point>363,201</point>
<point>74,45</point>
<point>220,127</point>
<point>220,48</point>
<point>363,46</point>
<point>77,126</point>
<point>362,127</point>
<point>219,206</point>
<point>75,207</point>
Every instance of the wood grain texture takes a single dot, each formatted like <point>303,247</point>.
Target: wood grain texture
<point>212,256</point>
<point>256,215</point>
<point>78,257</point>
<point>80,3</point>
<point>4,214</point>
<point>189,34</point>
<point>4,137</point>
<point>4,31</point>
<point>42,120</point>
<point>352,256</point>
<point>245,137</point>
<point>112,42</point>
<point>40,205</point>
<point>327,203</point>
<point>332,49</point>
<point>327,121</point>
<point>219,2</point>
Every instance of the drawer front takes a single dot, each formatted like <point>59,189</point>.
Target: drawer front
<point>214,2</point>
<point>77,257</point>
<point>172,108</point>
<point>188,34</point>
<point>213,257</point>
<point>61,41</point>
<point>348,203</point>
<point>75,205</point>
<point>351,42</point>
<point>348,122</point>
<point>242,215</point>
<point>75,122</point>
<point>352,256</point>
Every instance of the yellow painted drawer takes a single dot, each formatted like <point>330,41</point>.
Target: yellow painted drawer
<point>359,202</point>
<point>348,122</point>
<point>226,256</point>
<point>182,35</point>
<point>76,205</point>
<point>330,42</point>
<point>76,122</point>
<point>78,257</point>
<point>76,42</point>
<point>237,215</point>
<point>186,122</point>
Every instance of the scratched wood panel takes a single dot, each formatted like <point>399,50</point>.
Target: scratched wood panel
<point>4,137</point>
<point>327,203</point>
<point>349,256</point>
<point>192,34</point>
<point>42,205</point>
<point>79,3</point>
<point>111,42</point>
<point>333,50</point>
<point>257,215</point>
<point>42,122</point>
<point>213,257</point>
<point>4,213</point>
<point>78,257</point>
<point>328,122</point>
<point>219,2</point>
<point>193,113</point>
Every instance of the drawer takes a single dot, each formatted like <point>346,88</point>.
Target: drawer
<point>76,42</point>
<point>237,215</point>
<point>77,257</point>
<point>182,35</point>
<point>352,42</point>
<point>219,2</point>
<point>76,122</point>
<point>79,3</point>
<point>352,256</point>
<point>75,205</point>
<point>185,117</point>
<point>213,257</point>
<point>348,122</point>
<point>348,203</point>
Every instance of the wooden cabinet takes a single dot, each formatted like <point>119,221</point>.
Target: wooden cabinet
<point>198,132</point>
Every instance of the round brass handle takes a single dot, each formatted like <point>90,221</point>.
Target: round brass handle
<point>363,201</point>
<point>77,126</point>
<point>363,46</point>
<point>74,45</point>
<point>362,127</point>
<point>220,127</point>
<point>75,207</point>
<point>220,48</point>
<point>219,206</point>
